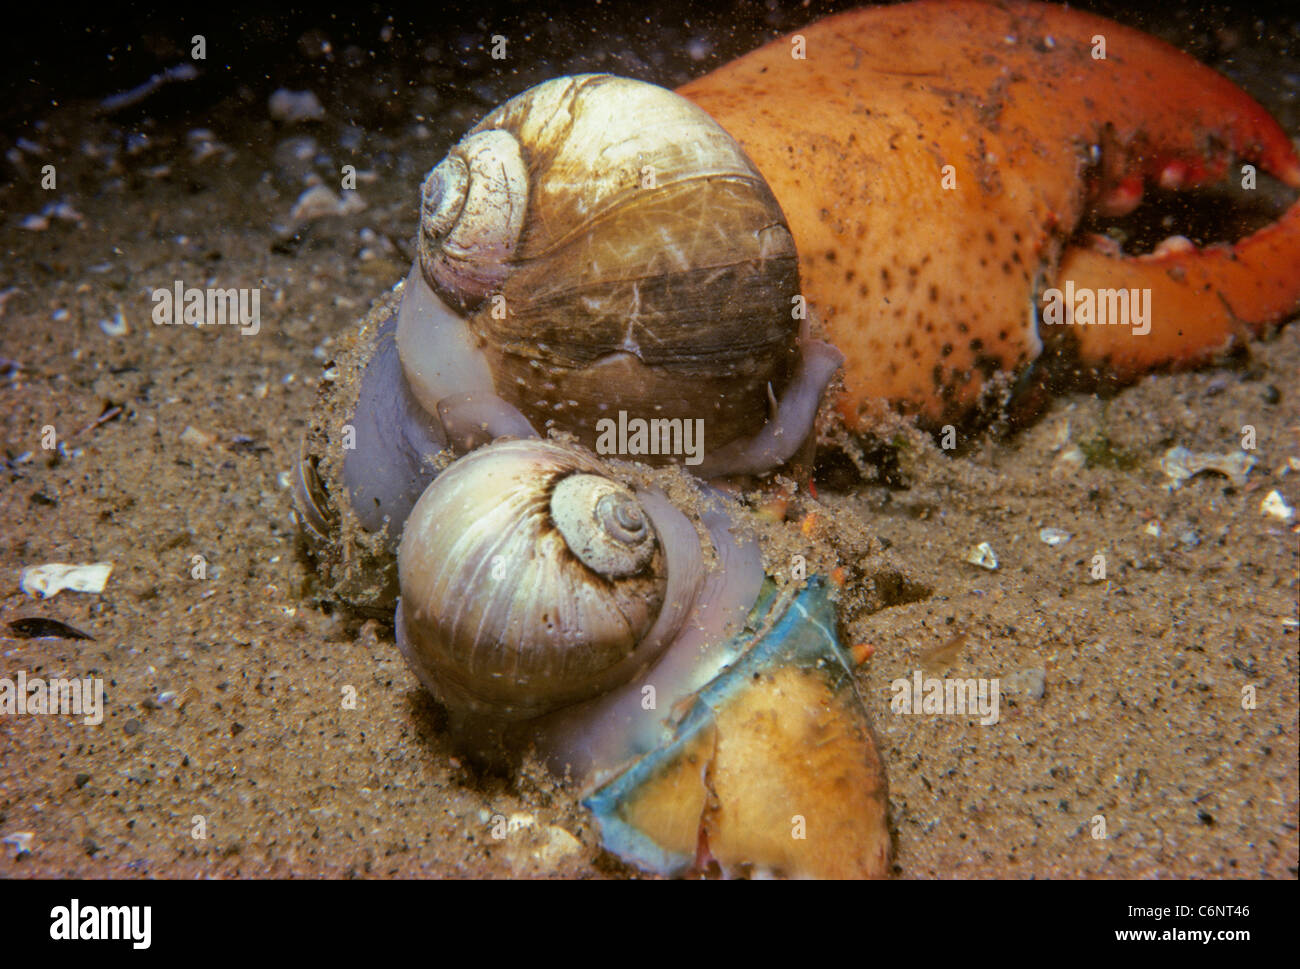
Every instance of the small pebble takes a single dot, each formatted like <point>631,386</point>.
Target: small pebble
<point>295,106</point>
<point>193,436</point>
<point>983,556</point>
<point>1069,461</point>
<point>116,326</point>
<point>132,727</point>
<point>1275,505</point>
<point>20,841</point>
<point>1031,682</point>
<point>319,201</point>
<point>296,154</point>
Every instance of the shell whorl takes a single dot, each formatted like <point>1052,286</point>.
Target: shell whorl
<point>472,207</point>
<point>530,581</point>
<point>603,525</point>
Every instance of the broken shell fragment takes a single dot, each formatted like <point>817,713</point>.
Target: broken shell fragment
<point>983,556</point>
<point>53,578</point>
<point>1179,464</point>
<point>1275,505</point>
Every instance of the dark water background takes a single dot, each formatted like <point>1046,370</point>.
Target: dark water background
<point>374,58</point>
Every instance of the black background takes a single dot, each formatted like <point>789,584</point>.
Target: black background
<point>53,52</point>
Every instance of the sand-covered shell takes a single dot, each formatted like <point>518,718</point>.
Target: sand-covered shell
<point>531,580</point>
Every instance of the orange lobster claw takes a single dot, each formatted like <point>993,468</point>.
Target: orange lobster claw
<point>935,158</point>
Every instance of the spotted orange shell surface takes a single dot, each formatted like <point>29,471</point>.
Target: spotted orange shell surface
<point>934,159</point>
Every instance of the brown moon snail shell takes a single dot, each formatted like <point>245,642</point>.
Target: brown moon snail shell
<point>605,246</point>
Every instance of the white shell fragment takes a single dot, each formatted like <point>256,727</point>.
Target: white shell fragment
<point>1069,461</point>
<point>1275,505</point>
<point>1179,464</point>
<point>20,841</point>
<point>1053,536</point>
<point>51,579</point>
<point>983,556</point>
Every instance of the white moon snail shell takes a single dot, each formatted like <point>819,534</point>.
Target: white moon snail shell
<point>530,581</point>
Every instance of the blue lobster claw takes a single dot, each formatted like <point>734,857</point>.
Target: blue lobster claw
<point>770,769</point>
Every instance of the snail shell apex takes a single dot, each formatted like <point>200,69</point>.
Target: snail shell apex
<point>500,614</point>
<point>472,208</point>
<point>603,525</point>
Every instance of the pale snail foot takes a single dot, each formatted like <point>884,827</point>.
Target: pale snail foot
<point>785,432</point>
<point>396,439</point>
<point>395,442</point>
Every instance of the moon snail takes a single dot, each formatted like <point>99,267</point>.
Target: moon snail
<point>544,602</point>
<point>531,580</point>
<point>596,249</point>
<point>596,246</point>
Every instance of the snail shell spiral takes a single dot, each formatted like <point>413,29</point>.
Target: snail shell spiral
<point>531,580</point>
<point>472,208</point>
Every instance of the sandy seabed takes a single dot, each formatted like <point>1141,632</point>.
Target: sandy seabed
<point>224,694</point>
